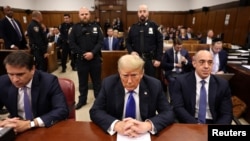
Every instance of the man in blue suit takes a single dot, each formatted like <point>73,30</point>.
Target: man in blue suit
<point>152,112</point>
<point>186,97</point>
<point>110,42</point>
<point>219,57</point>
<point>42,92</point>
<point>11,31</point>
<point>176,61</point>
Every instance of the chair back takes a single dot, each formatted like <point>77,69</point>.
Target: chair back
<point>68,88</point>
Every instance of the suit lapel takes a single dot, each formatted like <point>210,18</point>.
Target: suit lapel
<point>212,91</point>
<point>143,100</point>
<point>35,92</point>
<point>119,99</point>
<point>192,82</point>
<point>13,94</point>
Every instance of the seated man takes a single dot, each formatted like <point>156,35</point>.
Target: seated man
<point>219,57</point>
<point>196,102</point>
<point>131,88</point>
<point>175,61</point>
<point>209,38</point>
<point>32,97</point>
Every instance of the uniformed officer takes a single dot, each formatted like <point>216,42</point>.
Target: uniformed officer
<point>86,41</point>
<point>145,40</point>
<point>38,41</point>
<point>64,43</point>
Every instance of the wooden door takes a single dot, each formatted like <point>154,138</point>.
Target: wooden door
<point>110,12</point>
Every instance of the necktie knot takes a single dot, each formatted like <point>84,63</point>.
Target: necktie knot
<point>203,82</point>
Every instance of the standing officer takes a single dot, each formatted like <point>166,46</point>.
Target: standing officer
<point>86,41</point>
<point>145,40</point>
<point>66,51</point>
<point>38,41</point>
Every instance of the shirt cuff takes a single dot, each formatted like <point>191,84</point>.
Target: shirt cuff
<point>153,130</point>
<point>40,122</point>
<point>111,130</point>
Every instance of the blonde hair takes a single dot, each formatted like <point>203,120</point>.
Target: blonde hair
<point>130,61</point>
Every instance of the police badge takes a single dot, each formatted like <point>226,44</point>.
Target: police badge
<point>94,29</point>
<point>150,30</point>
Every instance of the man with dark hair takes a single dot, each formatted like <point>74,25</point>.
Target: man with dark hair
<point>175,62</point>
<point>64,43</point>
<point>33,98</point>
<point>219,57</point>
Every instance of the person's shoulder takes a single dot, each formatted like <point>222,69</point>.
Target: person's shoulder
<point>4,77</point>
<point>44,75</point>
<point>111,80</point>
<point>152,23</point>
<point>150,79</point>
<point>111,77</point>
<point>218,79</point>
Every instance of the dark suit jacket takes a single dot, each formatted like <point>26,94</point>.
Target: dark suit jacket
<point>203,40</point>
<point>219,97</point>
<point>168,61</point>
<point>10,36</point>
<point>223,60</point>
<point>115,44</point>
<point>48,100</point>
<point>109,104</point>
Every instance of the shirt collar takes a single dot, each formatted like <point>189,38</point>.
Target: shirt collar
<point>198,79</point>
<point>136,90</point>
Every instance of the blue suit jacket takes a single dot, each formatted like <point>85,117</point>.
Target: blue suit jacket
<point>223,60</point>
<point>219,97</point>
<point>109,104</point>
<point>48,100</point>
<point>168,61</point>
<point>10,36</point>
<point>115,44</point>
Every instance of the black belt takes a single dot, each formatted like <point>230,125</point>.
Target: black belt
<point>147,56</point>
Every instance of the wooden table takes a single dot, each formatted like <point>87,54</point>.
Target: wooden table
<point>70,130</point>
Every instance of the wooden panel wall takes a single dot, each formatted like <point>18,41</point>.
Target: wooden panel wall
<point>235,32</point>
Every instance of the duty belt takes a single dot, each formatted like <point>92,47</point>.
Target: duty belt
<point>147,56</point>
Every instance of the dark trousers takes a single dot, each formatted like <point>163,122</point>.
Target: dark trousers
<point>41,63</point>
<point>66,52</point>
<point>84,69</point>
<point>171,77</point>
<point>149,68</point>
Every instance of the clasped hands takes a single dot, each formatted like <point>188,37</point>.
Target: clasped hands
<point>132,127</point>
<point>16,123</point>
